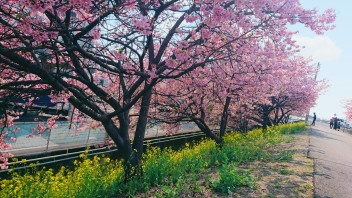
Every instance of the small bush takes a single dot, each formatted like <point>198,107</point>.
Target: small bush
<point>285,172</point>
<point>230,179</point>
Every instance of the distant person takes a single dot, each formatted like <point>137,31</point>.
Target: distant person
<point>335,122</point>
<point>338,125</point>
<point>314,118</point>
<point>331,123</point>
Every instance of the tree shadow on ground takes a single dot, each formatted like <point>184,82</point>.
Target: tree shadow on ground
<point>321,134</point>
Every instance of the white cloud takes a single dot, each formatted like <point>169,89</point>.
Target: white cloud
<point>319,48</point>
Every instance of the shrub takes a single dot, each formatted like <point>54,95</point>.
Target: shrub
<point>230,179</point>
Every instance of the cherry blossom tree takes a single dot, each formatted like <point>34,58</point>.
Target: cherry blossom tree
<point>206,97</point>
<point>261,89</point>
<point>348,112</point>
<point>294,92</point>
<point>106,57</point>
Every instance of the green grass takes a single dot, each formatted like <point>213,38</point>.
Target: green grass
<point>285,172</point>
<point>172,172</point>
<point>231,178</point>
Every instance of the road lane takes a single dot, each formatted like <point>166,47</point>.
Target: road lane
<point>332,154</point>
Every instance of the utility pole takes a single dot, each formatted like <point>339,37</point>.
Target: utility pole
<point>315,78</point>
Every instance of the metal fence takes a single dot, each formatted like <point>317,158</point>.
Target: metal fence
<point>27,142</point>
<point>40,161</point>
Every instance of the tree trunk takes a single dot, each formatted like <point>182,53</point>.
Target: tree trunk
<point>224,117</point>
<point>243,125</point>
<point>117,136</point>
<point>208,132</point>
<point>276,119</point>
<point>123,143</point>
<point>266,120</point>
<point>140,133</point>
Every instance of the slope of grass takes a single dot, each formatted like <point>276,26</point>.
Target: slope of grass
<point>167,173</point>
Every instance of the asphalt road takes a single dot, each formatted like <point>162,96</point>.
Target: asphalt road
<point>332,154</point>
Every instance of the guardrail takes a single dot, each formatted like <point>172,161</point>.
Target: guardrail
<point>27,142</point>
<point>96,151</point>
<point>62,138</point>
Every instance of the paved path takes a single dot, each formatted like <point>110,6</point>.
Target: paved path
<point>332,154</point>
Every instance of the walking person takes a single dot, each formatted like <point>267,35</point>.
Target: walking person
<point>335,122</point>
<point>314,118</point>
<point>331,123</point>
<point>338,125</point>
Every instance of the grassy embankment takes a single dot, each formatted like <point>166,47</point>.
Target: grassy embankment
<point>201,169</point>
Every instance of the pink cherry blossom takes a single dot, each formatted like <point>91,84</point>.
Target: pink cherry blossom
<point>120,63</point>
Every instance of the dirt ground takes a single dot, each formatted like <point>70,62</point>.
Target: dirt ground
<point>290,174</point>
<point>284,177</point>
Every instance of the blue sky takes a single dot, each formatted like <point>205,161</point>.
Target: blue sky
<point>333,51</point>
